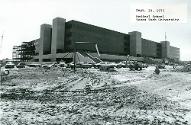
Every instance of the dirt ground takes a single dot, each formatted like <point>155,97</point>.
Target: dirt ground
<point>57,97</point>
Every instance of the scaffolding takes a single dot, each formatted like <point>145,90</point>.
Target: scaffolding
<point>26,51</point>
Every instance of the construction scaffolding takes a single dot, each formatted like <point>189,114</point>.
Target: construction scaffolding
<point>24,52</point>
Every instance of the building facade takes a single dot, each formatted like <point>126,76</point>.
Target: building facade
<point>60,38</point>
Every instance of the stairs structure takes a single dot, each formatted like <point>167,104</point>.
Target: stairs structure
<point>95,59</point>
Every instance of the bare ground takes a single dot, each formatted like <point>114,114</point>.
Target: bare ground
<point>56,96</point>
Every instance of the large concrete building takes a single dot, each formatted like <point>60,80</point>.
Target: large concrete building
<point>59,39</point>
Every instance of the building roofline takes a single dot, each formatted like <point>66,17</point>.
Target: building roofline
<point>151,40</point>
<point>96,26</point>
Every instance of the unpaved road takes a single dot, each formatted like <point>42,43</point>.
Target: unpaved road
<point>141,97</point>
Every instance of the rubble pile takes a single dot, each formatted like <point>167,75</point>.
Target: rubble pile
<point>185,68</point>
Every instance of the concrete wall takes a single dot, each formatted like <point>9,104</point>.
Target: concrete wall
<point>165,49</point>
<point>45,39</point>
<point>174,53</point>
<point>149,48</point>
<point>135,43</point>
<point>58,35</point>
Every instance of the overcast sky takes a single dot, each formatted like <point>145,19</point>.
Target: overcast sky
<point>20,20</point>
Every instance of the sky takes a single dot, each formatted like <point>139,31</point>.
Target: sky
<point>20,20</point>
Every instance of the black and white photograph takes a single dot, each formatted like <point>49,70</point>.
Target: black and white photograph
<point>95,62</point>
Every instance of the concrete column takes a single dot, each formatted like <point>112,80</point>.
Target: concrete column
<point>165,49</point>
<point>45,40</point>
<point>58,36</point>
<point>135,43</point>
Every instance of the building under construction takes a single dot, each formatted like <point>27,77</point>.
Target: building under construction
<point>25,52</point>
<point>59,40</point>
